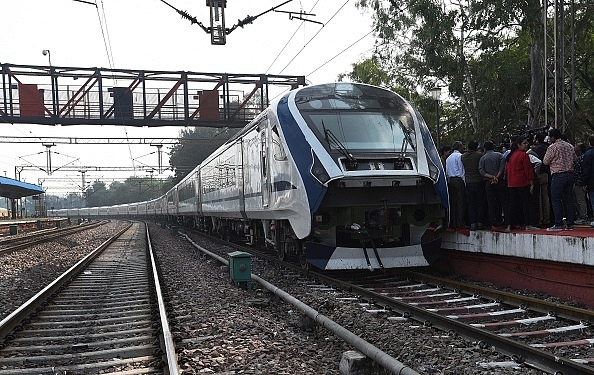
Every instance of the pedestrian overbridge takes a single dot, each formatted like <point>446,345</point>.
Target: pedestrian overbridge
<point>56,95</point>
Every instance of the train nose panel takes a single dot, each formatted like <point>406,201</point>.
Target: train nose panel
<point>333,258</point>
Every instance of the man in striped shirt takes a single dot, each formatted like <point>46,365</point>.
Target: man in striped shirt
<point>560,156</point>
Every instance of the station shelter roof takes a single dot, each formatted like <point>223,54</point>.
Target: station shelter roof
<point>15,189</point>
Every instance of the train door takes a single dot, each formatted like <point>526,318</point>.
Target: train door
<point>264,164</point>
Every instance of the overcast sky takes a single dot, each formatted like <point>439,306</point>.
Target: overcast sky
<point>150,35</point>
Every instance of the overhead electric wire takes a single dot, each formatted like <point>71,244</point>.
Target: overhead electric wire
<point>105,34</point>
<point>291,38</point>
<point>340,53</point>
<point>312,38</point>
<point>108,49</point>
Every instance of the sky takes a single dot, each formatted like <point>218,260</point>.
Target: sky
<point>150,35</point>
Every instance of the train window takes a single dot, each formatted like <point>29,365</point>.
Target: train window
<point>263,153</point>
<point>356,130</point>
<point>187,191</point>
<point>278,151</point>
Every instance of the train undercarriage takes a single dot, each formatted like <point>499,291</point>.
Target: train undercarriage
<point>341,237</point>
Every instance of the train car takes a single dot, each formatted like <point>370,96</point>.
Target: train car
<point>171,206</point>
<point>112,211</point>
<point>142,209</point>
<point>133,210</point>
<point>151,208</point>
<point>188,195</point>
<point>343,175</point>
<point>55,212</point>
<point>161,206</point>
<point>121,210</point>
<point>103,211</point>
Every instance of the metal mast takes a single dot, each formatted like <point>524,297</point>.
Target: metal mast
<point>559,77</point>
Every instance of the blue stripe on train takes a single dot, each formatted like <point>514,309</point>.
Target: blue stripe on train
<point>441,186</point>
<point>300,152</point>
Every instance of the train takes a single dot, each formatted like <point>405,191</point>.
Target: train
<point>338,175</point>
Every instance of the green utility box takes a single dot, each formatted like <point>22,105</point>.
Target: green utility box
<point>240,267</point>
<point>174,230</point>
<point>39,226</point>
<point>163,225</point>
<point>13,230</point>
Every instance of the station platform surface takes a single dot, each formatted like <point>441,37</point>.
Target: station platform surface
<point>560,264</point>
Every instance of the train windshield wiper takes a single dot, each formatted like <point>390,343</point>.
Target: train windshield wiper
<point>331,139</point>
<point>407,137</point>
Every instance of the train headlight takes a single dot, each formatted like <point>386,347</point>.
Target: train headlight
<point>318,171</point>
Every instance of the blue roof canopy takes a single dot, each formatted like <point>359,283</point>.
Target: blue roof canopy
<point>15,189</point>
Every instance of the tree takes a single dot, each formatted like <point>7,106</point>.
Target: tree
<point>194,146</point>
<point>489,54</point>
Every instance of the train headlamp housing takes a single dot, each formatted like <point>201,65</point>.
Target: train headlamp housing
<point>318,171</point>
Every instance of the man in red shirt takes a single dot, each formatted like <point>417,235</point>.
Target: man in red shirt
<point>520,183</point>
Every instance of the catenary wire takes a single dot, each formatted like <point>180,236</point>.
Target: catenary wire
<point>340,53</point>
<point>108,49</point>
<point>313,37</point>
<point>105,34</point>
<point>291,38</point>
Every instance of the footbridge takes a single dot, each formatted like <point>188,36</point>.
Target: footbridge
<point>56,95</point>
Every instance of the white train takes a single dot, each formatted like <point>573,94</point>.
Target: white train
<point>341,175</point>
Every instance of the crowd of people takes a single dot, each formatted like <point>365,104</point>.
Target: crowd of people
<point>535,182</point>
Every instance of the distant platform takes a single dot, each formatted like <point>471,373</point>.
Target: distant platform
<point>557,263</point>
<point>10,227</point>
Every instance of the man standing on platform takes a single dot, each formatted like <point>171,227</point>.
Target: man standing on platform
<point>455,174</point>
<point>491,167</point>
<point>543,179</point>
<point>578,191</point>
<point>560,157</point>
<point>475,186</point>
<point>588,172</point>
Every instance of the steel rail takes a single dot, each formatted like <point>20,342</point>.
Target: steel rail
<point>166,336</point>
<point>377,355</point>
<point>14,319</point>
<point>521,353</point>
<point>24,241</point>
<point>533,357</point>
<point>560,310</point>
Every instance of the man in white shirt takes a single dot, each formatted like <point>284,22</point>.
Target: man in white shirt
<point>456,187</point>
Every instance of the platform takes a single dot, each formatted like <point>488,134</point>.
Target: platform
<point>576,246</point>
<point>558,263</point>
<point>14,226</point>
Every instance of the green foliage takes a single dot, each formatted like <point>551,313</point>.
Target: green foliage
<point>133,189</point>
<point>194,146</point>
<point>487,55</point>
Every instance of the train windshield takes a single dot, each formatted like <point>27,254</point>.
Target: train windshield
<point>358,117</point>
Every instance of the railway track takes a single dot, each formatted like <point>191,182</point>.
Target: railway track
<point>554,338</point>
<point>103,315</point>
<point>546,336</point>
<point>11,244</point>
